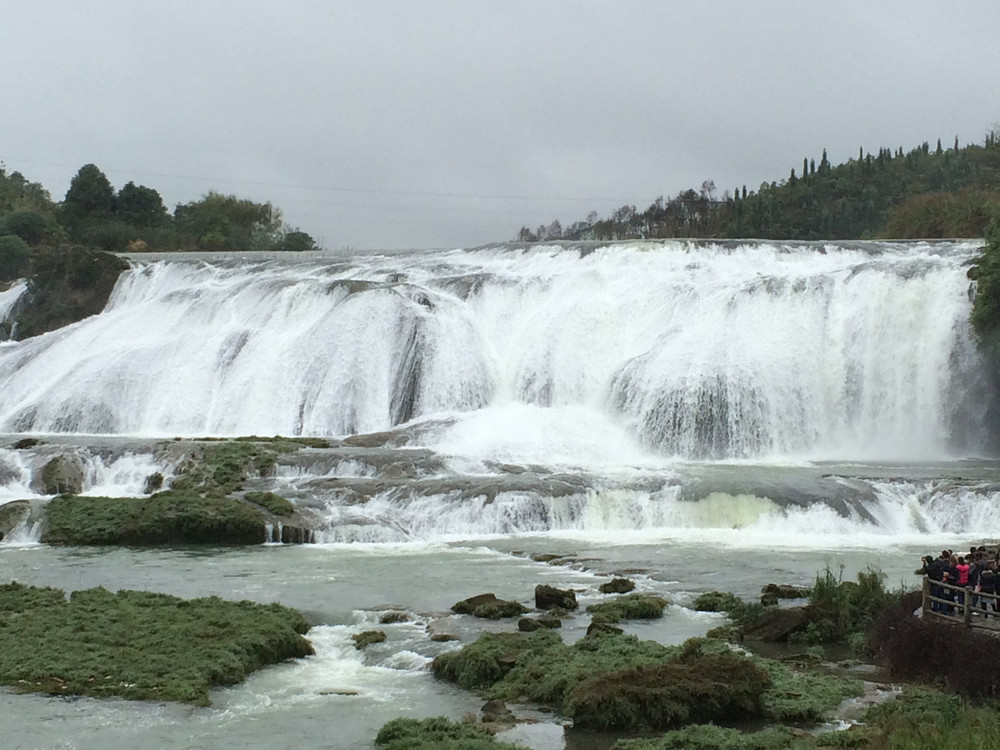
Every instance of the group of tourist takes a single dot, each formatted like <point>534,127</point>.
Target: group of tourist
<point>978,571</point>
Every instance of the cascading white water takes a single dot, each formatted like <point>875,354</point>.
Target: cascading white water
<point>679,349</point>
<point>8,299</point>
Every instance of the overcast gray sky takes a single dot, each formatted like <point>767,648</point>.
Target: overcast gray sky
<point>377,124</point>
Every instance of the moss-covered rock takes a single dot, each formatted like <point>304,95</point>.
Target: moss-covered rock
<point>12,515</point>
<point>489,607</point>
<point>153,483</point>
<point>615,680</point>
<point>438,733</point>
<point>694,688</point>
<point>67,283</point>
<point>629,607</point>
<point>62,475</point>
<point>138,645</point>
<point>367,638</point>
<point>549,597</point>
<point>170,517</point>
<point>616,586</point>
<point>716,601</point>
<point>394,616</point>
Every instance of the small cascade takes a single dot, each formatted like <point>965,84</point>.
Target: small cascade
<point>102,471</point>
<point>27,533</point>
<point>9,299</point>
<point>836,510</point>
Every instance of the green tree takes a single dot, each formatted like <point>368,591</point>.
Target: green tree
<point>27,225</point>
<point>140,206</point>
<point>14,257</point>
<point>226,222</point>
<point>297,241</point>
<point>90,195</point>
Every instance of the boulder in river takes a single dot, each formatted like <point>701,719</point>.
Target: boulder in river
<point>63,475</point>
<point>549,597</point>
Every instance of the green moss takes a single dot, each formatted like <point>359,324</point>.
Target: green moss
<point>804,696</point>
<point>271,502</point>
<point>485,662</point>
<point>922,719</point>
<point>367,638</point>
<point>629,607</point>
<point>539,667</point>
<point>695,687</point>
<point>171,517</point>
<point>711,737</point>
<point>138,645</point>
<point>287,444</point>
<point>437,734</point>
<point>615,680</point>
<point>221,465</point>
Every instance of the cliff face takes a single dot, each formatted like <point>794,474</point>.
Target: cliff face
<point>67,283</point>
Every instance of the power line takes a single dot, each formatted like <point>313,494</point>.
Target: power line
<point>339,189</point>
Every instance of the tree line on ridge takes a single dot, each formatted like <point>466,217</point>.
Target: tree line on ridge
<point>926,193</point>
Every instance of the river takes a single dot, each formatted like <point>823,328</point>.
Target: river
<point>703,416</point>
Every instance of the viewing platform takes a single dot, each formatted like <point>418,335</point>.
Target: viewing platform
<point>960,605</point>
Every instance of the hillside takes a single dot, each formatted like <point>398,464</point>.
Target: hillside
<point>926,193</point>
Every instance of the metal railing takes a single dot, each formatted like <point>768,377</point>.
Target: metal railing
<point>957,604</point>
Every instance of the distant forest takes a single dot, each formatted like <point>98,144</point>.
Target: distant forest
<point>930,192</point>
<point>95,215</point>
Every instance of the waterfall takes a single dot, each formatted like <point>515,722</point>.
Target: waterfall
<point>733,350</point>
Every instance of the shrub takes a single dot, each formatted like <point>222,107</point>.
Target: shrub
<point>842,610</point>
<point>967,662</point>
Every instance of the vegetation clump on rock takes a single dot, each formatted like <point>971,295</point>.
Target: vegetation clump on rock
<point>488,607</point>
<point>629,607</point>
<point>694,687</point>
<point>717,601</point>
<point>612,680</point>
<point>271,502</point>
<point>838,611</point>
<point>616,586</point>
<point>438,733</point>
<point>170,517</point>
<point>138,645</point>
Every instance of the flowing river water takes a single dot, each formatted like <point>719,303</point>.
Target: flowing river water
<point>701,416</point>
